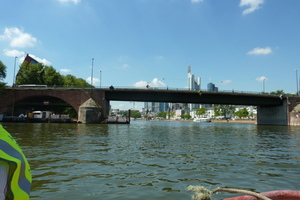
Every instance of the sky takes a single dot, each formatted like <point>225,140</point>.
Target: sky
<point>241,45</point>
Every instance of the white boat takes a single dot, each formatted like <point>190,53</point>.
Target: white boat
<point>117,120</point>
<point>202,119</point>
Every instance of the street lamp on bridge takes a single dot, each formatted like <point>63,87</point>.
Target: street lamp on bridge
<point>92,72</point>
<point>264,85</point>
<point>297,82</point>
<point>14,78</point>
<point>14,82</point>
<point>100,78</point>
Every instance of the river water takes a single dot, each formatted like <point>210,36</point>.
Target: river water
<point>156,160</point>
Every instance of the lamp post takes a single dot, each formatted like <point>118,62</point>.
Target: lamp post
<point>100,78</point>
<point>14,78</point>
<point>14,94</point>
<point>297,82</point>
<point>264,85</point>
<point>92,72</point>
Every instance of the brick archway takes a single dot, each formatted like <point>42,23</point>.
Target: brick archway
<point>74,97</point>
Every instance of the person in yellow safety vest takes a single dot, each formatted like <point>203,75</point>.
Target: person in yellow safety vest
<point>15,175</point>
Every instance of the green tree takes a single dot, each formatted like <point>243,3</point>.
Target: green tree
<point>278,92</point>
<point>186,116</point>
<point>135,114</point>
<point>82,83</point>
<point>200,111</point>
<point>162,115</point>
<point>30,74</point>
<point>224,110</point>
<point>72,81</point>
<point>2,75</point>
<point>40,75</point>
<point>51,77</point>
<point>69,80</point>
<point>171,114</point>
<point>241,113</point>
<point>123,113</point>
<point>70,111</point>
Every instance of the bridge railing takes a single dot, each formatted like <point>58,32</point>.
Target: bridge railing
<point>135,88</point>
<point>178,89</point>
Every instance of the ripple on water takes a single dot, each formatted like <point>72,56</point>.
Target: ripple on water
<point>157,160</point>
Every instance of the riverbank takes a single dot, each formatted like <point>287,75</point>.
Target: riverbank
<point>238,121</point>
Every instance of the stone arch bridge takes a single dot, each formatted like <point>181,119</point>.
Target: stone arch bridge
<point>92,105</point>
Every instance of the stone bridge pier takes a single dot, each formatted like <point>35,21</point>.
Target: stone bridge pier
<point>286,114</point>
<point>95,109</point>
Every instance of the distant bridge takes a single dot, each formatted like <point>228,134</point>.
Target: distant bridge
<point>271,109</point>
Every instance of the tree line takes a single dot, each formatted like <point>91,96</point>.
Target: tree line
<point>46,75</point>
<point>2,75</point>
<point>40,74</point>
<point>225,111</point>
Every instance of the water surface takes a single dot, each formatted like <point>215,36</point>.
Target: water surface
<point>156,160</point>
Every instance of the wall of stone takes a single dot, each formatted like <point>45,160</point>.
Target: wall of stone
<point>294,111</point>
<point>273,115</point>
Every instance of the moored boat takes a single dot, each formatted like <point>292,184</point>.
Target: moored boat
<point>117,120</point>
<point>202,119</point>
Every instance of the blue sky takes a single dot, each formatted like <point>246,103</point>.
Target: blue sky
<point>236,44</point>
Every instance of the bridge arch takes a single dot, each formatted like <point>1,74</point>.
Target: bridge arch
<point>39,102</point>
<point>72,97</point>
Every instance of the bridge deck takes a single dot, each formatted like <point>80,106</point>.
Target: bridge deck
<point>174,96</point>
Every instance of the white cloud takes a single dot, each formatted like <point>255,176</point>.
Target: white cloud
<point>253,5</point>
<point>17,38</point>
<point>141,84</point>
<point>123,58</point>
<point>64,70</point>
<point>196,1</point>
<point>13,53</point>
<point>154,83</point>
<point>159,57</point>
<point>260,51</point>
<point>261,79</point>
<point>96,81</point>
<point>124,66</point>
<point>70,1</point>
<point>226,82</point>
<point>41,60</point>
<point>157,83</point>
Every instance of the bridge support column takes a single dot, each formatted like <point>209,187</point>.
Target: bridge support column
<point>273,115</point>
<point>105,108</point>
<point>90,112</point>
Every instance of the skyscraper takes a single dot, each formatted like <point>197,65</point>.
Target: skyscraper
<point>193,84</point>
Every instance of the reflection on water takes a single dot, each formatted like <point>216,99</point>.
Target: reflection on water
<point>156,160</point>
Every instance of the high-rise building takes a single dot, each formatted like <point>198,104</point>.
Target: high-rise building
<point>211,87</point>
<point>156,107</point>
<point>193,84</point>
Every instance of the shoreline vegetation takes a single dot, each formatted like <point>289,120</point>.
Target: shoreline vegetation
<point>236,121</point>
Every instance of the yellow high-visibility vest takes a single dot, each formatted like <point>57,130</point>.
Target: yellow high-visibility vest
<point>19,175</point>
